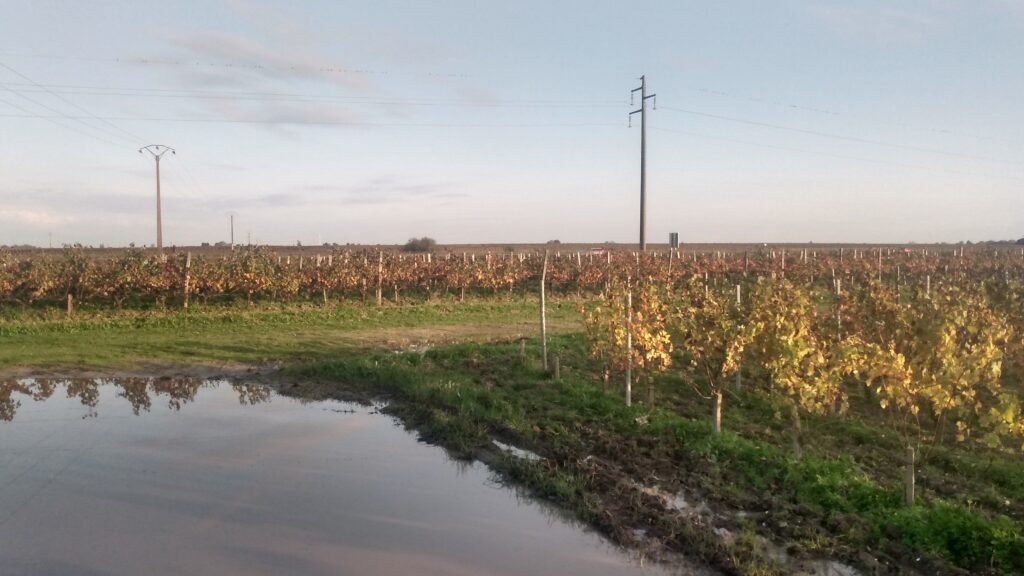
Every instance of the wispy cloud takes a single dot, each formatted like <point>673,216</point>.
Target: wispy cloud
<point>376,191</point>
<point>257,67</point>
<point>236,55</point>
<point>57,205</point>
<point>385,191</point>
<point>34,217</point>
<point>278,115</point>
<point>271,51</point>
<point>274,51</point>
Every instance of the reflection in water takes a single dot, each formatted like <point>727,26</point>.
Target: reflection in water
<point>233,483</point>
<point>139,392</point>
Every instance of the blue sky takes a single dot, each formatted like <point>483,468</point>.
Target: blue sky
<point>475,121</point>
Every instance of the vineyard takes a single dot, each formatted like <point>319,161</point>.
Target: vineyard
<point>915,355</point>
<point>929,348</point>
<point>140,278</point>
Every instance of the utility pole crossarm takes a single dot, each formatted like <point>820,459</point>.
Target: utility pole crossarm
<point>642,111</point>
<point>157,151</point>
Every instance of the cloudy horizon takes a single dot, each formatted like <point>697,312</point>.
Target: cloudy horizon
<point>809,120</point>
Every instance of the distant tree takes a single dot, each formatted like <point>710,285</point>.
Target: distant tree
<point>554,242</point>
<point>1021,241</point>
<point>424,244</point>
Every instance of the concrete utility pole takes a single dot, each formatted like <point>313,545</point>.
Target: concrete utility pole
<point>643,153</point>
<point>231,215</point>
<point>158,150</point>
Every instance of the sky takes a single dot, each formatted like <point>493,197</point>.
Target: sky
<point>483,121</point>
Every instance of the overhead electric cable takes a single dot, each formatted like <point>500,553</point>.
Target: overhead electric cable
<point>298,97</point>
<point>353,124</point>
<point>73,105</point>
<point>839,156</point>
<point>834,114</point>
<point>52,120</point>
<point>832,135</point>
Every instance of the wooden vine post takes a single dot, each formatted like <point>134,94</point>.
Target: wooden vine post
<point>543,313</point>
<point>380,278</point>
<point>188,272</point>
<point>909,478</point>
<point>739,367</point>
<point>629,344</point>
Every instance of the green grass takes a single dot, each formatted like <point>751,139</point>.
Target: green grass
<point>251,334</point>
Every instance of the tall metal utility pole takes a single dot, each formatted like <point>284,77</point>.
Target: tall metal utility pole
<point>158,150</point>
<point>643,154</point>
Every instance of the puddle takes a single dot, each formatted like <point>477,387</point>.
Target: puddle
<point>188,476</point>
<point>676,501</point>
<point>805,567</point>
<point>700,511</point>
<point>831,568</point>
<point>726,535</point>
<point>517,452</point>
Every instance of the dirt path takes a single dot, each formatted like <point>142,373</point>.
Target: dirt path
<point>404,338</point>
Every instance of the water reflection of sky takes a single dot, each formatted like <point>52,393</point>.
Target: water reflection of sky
<point>215,479</point>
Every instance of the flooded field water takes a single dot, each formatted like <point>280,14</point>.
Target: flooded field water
<point>196,477</point>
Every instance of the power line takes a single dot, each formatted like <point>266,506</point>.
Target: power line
<point>70,103</point>
<point>180,171</point>
<point>788,105</point>
<point>296,97</point>
<point>353,124</point>
<point>834,113</point>
<point>120,91</point>
<point>185,62</point>
<point>835,136</point>
<point>839,156</point>
<point>52,120</point>
<point>58,114</point>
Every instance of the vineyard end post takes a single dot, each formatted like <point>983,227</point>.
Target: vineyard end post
<point>909,479</point>
<point>543,313</point>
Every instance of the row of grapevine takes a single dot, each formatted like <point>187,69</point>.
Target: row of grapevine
<point>138,277</point>
<point>943,362</point>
